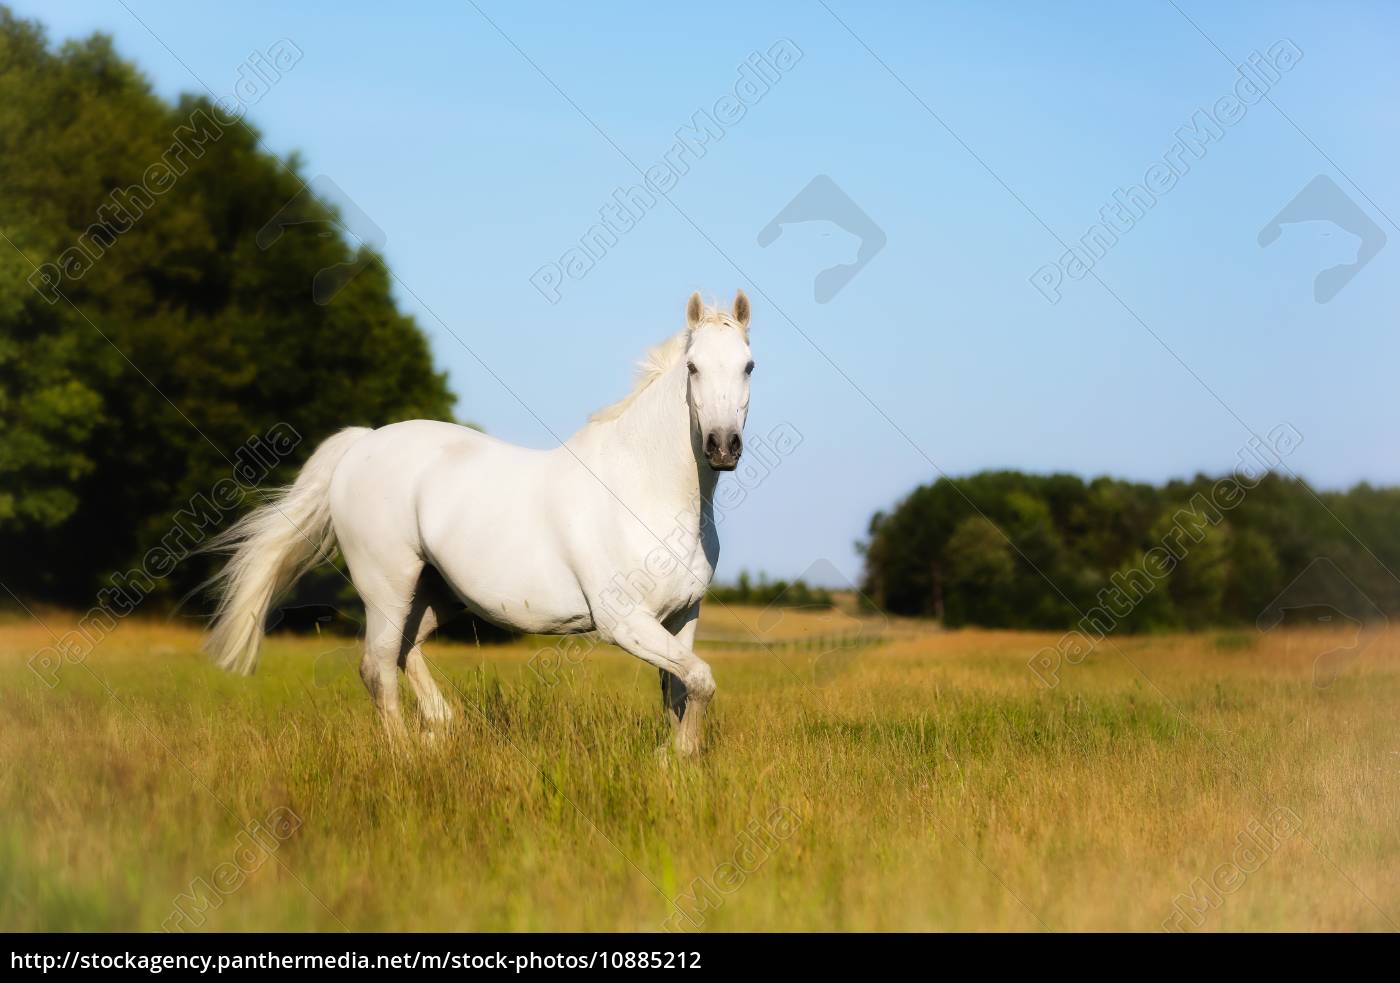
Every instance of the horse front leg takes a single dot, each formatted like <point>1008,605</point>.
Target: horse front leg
<point>686,721</point>
<point>687,682</point>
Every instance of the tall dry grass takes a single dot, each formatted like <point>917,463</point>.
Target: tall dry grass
<point>926,783</point>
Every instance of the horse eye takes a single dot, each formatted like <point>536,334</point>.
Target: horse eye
<point>748,369</point>
<point>690,367</point>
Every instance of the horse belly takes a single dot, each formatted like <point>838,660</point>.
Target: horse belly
<point>499,559</point>
<point>507,588</point>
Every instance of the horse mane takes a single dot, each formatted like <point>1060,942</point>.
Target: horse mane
<point>661,359</point>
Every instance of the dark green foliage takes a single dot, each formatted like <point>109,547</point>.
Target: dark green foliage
<point>127,396</point>
<point>1008,549</point>
<point>781,593</point>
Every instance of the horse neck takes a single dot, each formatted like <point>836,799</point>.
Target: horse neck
<point>656,439</point>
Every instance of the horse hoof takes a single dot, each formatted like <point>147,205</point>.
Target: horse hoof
<point>685,749</point>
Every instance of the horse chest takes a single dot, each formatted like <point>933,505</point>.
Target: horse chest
<point>668,574</point>
<point>689,573</point>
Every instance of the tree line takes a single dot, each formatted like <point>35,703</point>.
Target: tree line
<point>1016,550</point>
<point>779,593</point>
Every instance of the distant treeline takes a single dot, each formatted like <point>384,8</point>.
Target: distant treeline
<point>1007,549</point>
<point>784,593</point>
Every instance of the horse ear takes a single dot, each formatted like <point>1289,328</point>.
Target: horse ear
<point>694,310</point>
<point>741,309</point>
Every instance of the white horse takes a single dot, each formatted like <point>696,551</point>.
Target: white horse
<point>612,531</point>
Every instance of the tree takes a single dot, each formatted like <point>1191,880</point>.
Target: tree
<point>981,568</point>
<point>172,337</point>
<point>1006,549</point>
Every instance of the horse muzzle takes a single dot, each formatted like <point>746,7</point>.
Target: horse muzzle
<point>723,449</point>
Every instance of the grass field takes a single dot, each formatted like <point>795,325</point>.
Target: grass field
<point>926,782</point>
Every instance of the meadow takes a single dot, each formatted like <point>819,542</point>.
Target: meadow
<point>915,779</point>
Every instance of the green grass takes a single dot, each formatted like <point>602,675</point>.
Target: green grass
<point>929,783</point>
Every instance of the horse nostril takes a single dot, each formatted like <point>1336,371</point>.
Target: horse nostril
<point>711,444</point>
<point>736,445</point>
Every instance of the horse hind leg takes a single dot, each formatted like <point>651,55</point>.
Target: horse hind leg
<point>387,592</point>
<point>433,606</point>
<point>384,625</point>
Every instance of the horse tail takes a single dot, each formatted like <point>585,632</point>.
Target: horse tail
<point>272,546</point>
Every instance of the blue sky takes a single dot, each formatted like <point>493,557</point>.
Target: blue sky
<point>939,355</point>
